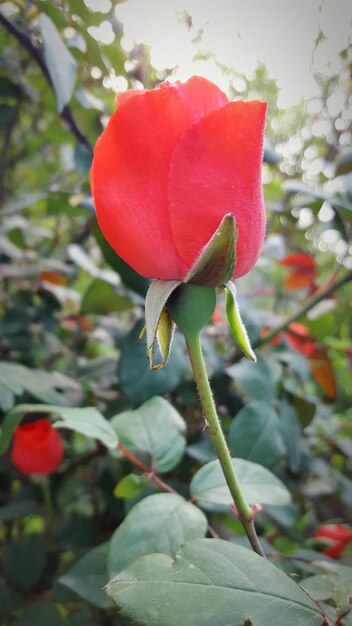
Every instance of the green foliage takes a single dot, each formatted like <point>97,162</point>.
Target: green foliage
<point>70,318</point>
<point>211,580</point>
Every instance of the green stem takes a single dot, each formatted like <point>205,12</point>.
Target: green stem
<point>47,499</point>
<point>245,513</point>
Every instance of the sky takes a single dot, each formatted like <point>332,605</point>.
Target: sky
<point>281,33</point>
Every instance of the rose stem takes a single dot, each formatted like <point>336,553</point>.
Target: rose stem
<point>245,513</point>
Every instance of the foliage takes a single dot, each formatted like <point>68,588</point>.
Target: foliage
<point>139,488</point>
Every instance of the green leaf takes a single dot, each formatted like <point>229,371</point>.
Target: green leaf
<point>101,298</point>
<point>24,561</point>
<point>17,509</point>
<point>158,523</point>
<point>255,434</point>
<point>210,490</point>
<point>60,62</point>
<point>39,613</point>
<point>156,427</point>
<point>86,421</point>
<point>7,599</point>
<point>89,575</point>
<point>129,487</point>
<point>236,324</point>
<point>256,381</point>
<point>211,583</point>
<point>158,322</point>
<point>39,384</point>
<point>138,381</point>
<point>319,587</point>
<point>291,434</point>
<point>216,263</point>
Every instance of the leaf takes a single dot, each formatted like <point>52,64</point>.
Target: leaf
<point>7,599</point>
<point>24,561</point>
<point>17,509</point>
<point>256,381</point>
<point>237,326</point>
<point>209,489</point>
<point>255,434</point>
<point>59,61</point>
<point>156,427</point>
<point>40,385</point>
<point>39,613</point>
<point>156,315</point>
<point>130,486</point>
<point>211,582</point>
<point>216,263</point>
<point>86,421</point>
<point>319,587</point>
<point>89,575</point>
<point>291,434</point>
<point>158,523</point>
<point>138,381</point>
<point>101,298</point>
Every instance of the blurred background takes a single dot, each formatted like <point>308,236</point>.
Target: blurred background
<point>71,310</point>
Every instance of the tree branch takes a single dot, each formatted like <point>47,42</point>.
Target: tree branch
<point>320,295</point>
<point>36,55</point>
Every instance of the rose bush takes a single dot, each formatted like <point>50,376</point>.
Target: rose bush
<point>37,448</point>
<point>167,168</point>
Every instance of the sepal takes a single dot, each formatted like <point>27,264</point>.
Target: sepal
<point>158,323</point>
<point>216,263</point>
<point>236,324</point>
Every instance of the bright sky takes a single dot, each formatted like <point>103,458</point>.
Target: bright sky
<point>240,34</point>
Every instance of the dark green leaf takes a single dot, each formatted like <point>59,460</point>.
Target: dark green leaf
<point>138,381</point>
<point>24,561</point>
<point>255,434</point>
<point>39,613</point>
<point>89,575</point>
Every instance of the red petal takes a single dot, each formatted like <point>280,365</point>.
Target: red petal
<point>131,167</point>
<point>123,96</point>
<point>216,169</point>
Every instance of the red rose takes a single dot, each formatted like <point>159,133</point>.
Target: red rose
<point>171,163</point>
<point>37,448</point>
<point>336,536</point>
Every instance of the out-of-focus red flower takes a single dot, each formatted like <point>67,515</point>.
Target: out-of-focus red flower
<point>171,163</point>
<point>336,536</point>
<point>298,336</point>
<point>304,271</point>
<point>37,448</point>
<point>217,318</point>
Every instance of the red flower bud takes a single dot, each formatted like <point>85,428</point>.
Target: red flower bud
<point>37,448</point>
<point>336,536</point>
<point>171,163</point>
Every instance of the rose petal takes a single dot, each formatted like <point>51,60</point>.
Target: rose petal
<point>216,169</point>
<point>130,173</point>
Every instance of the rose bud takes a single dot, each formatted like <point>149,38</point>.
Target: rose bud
<point>335,536</point>
<point>37,448</point>
<point>171,163</point>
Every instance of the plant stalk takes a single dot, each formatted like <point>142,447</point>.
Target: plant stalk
<point>245,513</point>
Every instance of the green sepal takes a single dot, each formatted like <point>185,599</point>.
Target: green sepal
<point>158,323</point>
<point>237,326</point>
<point>216,264</point>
